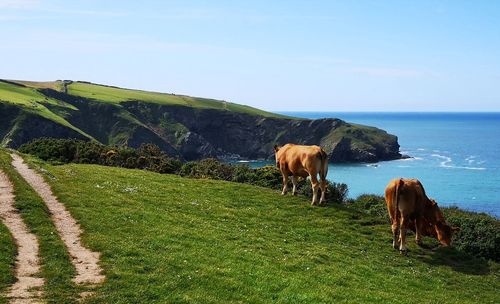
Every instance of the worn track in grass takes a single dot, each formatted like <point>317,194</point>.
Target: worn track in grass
<point>85,261</point>
<point>26,288</point>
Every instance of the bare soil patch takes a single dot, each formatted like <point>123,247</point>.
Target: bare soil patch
<point>26,288</point>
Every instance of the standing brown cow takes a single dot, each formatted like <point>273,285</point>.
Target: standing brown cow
<point>296,160</point>
<point>409,207</point>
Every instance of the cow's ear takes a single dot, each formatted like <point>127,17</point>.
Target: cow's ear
<point>434,203</point>
<point>276,148</point>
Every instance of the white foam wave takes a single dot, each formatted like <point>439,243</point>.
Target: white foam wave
<point>410,159</point>
<point>447,160</point>
<point>470,159</point>
<point>421,149</point>
<point>469,168</point>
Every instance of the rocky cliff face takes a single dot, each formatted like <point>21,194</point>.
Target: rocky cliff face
<point>194,133</point>
<point>224,134</point>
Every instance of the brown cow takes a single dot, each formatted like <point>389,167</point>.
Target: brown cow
<point>296,160</point>
<point>409,207</point>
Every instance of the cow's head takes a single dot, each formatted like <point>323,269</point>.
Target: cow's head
<point>444,231</point>
<point>276,149</point>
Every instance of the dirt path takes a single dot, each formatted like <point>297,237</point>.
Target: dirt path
<point>27,260</point>
<point>86,262</point>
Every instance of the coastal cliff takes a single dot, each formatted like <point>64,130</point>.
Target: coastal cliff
<point>185,127</point>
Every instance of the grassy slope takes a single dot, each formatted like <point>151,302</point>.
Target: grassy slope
<point>170,239</point>
<point>34,102</point>
<point>56,265</point>
<point>54,85</point>
<point>117,95</point>
<point>349,130</point>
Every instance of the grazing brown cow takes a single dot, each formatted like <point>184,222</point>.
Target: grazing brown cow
<point>409,207</point>
<point>296,160</point>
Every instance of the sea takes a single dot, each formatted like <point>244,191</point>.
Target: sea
<point>456,156</point>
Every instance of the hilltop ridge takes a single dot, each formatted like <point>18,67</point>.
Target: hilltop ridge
<point>182,126</point>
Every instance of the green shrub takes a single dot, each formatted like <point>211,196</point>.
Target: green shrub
<point>147,156</point>
<point>479,233</point>
<point>244,174</point>
<point>269,177</point>
<point>371,204</point>
<point>207,168</point>
<point>335,192</point>
<point>49,149</point>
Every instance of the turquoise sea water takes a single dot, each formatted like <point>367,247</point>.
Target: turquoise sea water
<point>455,155</point>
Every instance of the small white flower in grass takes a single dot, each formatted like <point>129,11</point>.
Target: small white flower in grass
<point>99,186</point>
<point>130,189</point>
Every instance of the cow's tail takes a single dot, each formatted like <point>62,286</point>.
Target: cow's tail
<point>397,189</point>
<point>323,171</point>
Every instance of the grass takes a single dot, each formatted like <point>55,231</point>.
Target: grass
<point>28,97</point>
<point>54,85</point>
<point>116,95</point>
<point>34,102</point>
<point>56,265</point>
<point>169,239</point>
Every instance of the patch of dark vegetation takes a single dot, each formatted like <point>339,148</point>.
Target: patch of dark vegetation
<point>371,205</point>
<point>147,156</point>
<point>479,233</point>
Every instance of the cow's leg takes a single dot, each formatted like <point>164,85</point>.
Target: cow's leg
<point>285,184</point>
<point>418,230</point>
<point>402,234</point>
<point>315,187</point>
<point>322,186</point>
<point>395,236</point>
<point>294,182</point>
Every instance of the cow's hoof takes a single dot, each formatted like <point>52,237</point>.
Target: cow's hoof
<point>295,193</point>
<point>403,252</point>
<point>419,242</point>
<point>283,193</point>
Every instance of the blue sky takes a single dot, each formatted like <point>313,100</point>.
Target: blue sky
<point>275,55</point>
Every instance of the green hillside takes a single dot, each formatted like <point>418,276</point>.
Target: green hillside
<point>115,95</point>
<point>169,239</point>
<point>34,102</point>
<point>118,95</point>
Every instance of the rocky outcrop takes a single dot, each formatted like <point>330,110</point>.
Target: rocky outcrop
<point>194,133</point>
<point>225,134</point>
